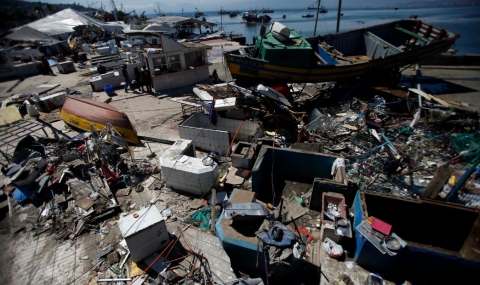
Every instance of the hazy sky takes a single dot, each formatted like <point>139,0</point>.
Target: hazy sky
<point>212,5</point>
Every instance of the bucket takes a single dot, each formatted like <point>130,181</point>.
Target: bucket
<point>108,89</point>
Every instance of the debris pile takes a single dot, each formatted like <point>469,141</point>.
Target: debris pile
<point>76,184</point>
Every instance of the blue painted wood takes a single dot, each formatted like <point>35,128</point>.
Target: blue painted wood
<point>462,181</point>
<point>414,258</point>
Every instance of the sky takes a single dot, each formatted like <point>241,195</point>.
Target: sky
<point>213,5</point>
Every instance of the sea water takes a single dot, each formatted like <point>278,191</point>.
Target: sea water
<point>461,20</point>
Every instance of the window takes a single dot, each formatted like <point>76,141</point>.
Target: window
<point>194,58</point>
<point>160,63</point>
<point>174,61</point>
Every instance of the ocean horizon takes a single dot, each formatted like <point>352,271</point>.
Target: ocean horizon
<point>461,20</point>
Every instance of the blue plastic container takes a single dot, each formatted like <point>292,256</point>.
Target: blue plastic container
<point>109,90</point>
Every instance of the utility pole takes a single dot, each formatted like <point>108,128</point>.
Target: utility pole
<point>316,19</point>
<point>339,13</point>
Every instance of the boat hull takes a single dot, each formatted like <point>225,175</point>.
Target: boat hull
<point>85,113</point>
<point>250,70</point>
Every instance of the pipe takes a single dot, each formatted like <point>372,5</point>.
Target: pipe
<point>316,19</point>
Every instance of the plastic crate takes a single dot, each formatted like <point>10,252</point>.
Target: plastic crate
<point>109,90</point>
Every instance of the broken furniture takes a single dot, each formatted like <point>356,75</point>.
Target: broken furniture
<point>333,207</point>
<point>66,67</point>
<point>51,102</point>
<point>145,232</point>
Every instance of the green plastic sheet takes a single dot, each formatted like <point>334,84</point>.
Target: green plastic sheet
<point>201,216</point>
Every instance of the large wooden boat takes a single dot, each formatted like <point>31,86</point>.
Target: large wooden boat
<point>85,113</point>
<point>283,55</point>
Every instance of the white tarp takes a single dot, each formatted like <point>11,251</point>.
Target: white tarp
<point>63,22</point>
<point>26,33</point>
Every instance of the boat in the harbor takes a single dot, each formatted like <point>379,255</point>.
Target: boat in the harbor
<point>198,14</point>
<point>321,9</point>
<point>85,113</point>
<point>253,17</point>
<point>234,13</point>
<point>283,55</point>
<point>267,10</point>
<point>307,16</point>
<point>223,12</point>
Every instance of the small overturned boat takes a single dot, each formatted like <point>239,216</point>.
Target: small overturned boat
<point>282,54</point>
<point>85,113</point>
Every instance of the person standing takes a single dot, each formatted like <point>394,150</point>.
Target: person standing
<point>128,82</point>
<point>146,80</point>
<point>138,79</point>
<point>46,66</point>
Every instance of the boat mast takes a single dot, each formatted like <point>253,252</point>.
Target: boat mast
<point>114,9</point>
<point>338,13</point>
<point>316,19</point>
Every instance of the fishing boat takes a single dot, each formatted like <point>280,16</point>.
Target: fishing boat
<point>283,55</point>
<point>85,113</point>
<point>223,12</point>
<point>307,16</point>
<point>253,17</point>
<point>321,9</point>
<point>198,14</point>
<point>267,10</point>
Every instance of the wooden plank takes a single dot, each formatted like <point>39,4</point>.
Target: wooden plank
<point>471,247</point>
<point>418,37</point>
<point>440,101</point>
<point>439,179</point>
<point>242,196</point>
<point>421,93</point>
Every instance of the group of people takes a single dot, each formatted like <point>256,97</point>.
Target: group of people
<point>142,79</point>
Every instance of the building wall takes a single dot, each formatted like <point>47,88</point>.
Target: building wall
<point>178,79</point>
<point>287,164</point>
<point>217,137</point>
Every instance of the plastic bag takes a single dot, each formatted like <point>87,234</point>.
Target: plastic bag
<point>333,249</point>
